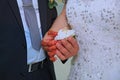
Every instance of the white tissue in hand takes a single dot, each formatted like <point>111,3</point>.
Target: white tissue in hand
<point>64,34</point>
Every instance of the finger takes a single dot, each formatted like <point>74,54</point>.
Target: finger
<point>52,33</point>
<point>44,43</point>
<point>75,45</point>
<point>48,46</point>
<point>67,45</point>
<point>51,43</point>
<point>51,48</point>
<point>51,54</point>
<point>60,55</point>
<point>62,49</point>
<point>73,41</point>
<point>48,42</point>
<point>53,59</point>
<point>45,48</point>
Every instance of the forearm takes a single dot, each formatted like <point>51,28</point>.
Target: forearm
<point>60,22</point>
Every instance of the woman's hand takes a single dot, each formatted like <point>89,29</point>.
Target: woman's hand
<point>67,48</point>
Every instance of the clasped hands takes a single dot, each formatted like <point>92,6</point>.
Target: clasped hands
<point>63,49</point>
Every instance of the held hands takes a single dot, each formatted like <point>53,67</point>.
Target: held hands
<point>67,48</point>
<point>64,48</point>
<point>49,44</point>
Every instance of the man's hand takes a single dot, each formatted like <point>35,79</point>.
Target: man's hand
<point>49,44</point>
<point>67,48</point>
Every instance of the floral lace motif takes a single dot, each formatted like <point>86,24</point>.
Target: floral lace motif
<point>97,26</point>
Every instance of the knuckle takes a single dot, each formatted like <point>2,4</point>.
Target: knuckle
<point>64,42</point>
<point>63,58</point>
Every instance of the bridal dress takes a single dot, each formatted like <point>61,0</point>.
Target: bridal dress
<point>97,27</point>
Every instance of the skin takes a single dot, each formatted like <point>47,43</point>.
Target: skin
<point>65,48</point>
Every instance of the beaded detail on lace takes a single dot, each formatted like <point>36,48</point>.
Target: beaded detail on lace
<point>97,26</point>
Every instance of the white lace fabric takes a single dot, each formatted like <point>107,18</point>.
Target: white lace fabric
<point>97,26</point>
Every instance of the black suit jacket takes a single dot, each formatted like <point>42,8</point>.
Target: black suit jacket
<point>13,50</point>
